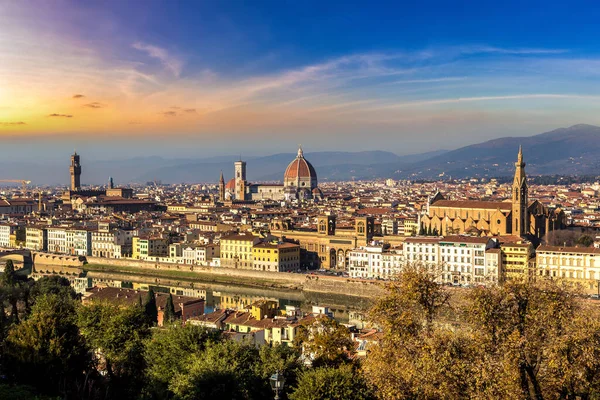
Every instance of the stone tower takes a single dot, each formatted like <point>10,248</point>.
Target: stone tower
<point>222,188</point>
<point>75,170</point>
<point>520,218</point>
<point>240,180</point>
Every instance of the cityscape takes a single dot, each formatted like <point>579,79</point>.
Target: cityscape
<point>164,234</point>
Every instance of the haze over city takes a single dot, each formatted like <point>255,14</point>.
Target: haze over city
<point>119,79</point>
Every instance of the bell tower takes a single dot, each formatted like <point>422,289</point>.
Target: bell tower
<point>222,188</point>
<point>75,170</point>
<point>520,194</point>
<point>240,180</point>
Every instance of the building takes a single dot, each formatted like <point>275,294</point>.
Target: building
<point>458,260</point>
<point>517,260</point>
<point>199,254</point>
<point>299,183</point>
<point>149,247</point>
<point>577,265</point>
<point>110,242</point>
<point>78,242</point>
<point>36,238</point>
<point>236,250</point>
<point>57,240</point>
<point>516,216</point>
<point>276,257</point>
<point>17,207</point>
<point>379,262</point>
<point>328,246</point>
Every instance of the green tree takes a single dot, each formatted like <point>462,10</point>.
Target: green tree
<point>324,341</point>
<point>326,383</point>
<point>169,313</point>
<point>9,278</point>
<point>45,350</point>
<point>168,352</point>
<point>53,284</point>
<point>222,371</point>
<point>117,336</point>
<point>150,307</point>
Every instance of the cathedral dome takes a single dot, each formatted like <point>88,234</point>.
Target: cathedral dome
<point>230,185</point>
<point>300,173</point>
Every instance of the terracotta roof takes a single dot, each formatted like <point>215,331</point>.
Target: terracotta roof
<point>569,249</point>
<point>487,205</point>
<point>300,168</point>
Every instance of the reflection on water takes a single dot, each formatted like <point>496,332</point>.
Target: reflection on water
<point>346,309</point>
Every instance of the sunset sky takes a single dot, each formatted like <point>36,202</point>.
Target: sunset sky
<point>202,78</point>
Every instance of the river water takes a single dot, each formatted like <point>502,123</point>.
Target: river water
<point>346,309</point>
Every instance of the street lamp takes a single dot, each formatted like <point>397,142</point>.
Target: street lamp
<point>277,381</point>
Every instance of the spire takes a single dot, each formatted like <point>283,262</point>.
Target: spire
<point>300,152</point>
<point>222,180</point>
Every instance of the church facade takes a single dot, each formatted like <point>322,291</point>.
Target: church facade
<point>515,216</point>
<point>299,183</point>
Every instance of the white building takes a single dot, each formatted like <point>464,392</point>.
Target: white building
<point>457,259</point>
<point>5,231</point>
<point>79,242</point>
<point>57,240</point>
<point>375,262</point>
<point>113,243</point>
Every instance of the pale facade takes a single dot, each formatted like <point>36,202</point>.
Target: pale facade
<point>578,265</point>
<point>36,238</point>
<point>375,262</point>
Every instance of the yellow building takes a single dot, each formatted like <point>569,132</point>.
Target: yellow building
<point>411,227</point>
<point>276,257</point>
<point>327,246</point>
<point>236,250</point>
<point>517,260</point>
<point>577,265</point>
<point>515,216</point>
<point>146,247</point>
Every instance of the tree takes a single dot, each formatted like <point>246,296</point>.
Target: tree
<point>53,284</point>
<point>168,352</point>
<point>324,341</point>
<point>150,307</point>
<point>222,371</point>
<point>46,350</point>
<point>9,277</point>
<point>117,336</point>
<point>326,383</point>
<point>585,240</point>
<point>169,313</point>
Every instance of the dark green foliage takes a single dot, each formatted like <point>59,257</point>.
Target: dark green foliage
<point>117,334</point>
<point>168,352</point>
<point>343,383</point>
<point>46,351</point>
<point>231,370</point>
<point>9,276</point>
<point>150,309</point>
<point>169,313</point>
<point>53,284</point>
<point>17,392</point>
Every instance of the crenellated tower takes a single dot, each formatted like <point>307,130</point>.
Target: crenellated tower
<point>75,170</point>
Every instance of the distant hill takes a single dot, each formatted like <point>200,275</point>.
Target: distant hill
<point>567,151</point>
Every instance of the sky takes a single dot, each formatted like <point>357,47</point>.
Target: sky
<point>115,79</point>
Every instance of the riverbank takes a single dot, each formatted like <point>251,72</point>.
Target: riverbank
<point>249,278</point>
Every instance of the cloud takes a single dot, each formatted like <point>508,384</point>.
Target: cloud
<point>94,105</point>
<point>190,111</point>
<point>78,96</point>
<point>432,80</point>
<point>169,62</point>
<point>175,108</point>
<point>134,123</point>
<point>13,123</point>
<point>61,115</point>
<point>169,113</point>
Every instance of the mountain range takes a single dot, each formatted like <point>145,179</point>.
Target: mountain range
<point>565,151</point>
